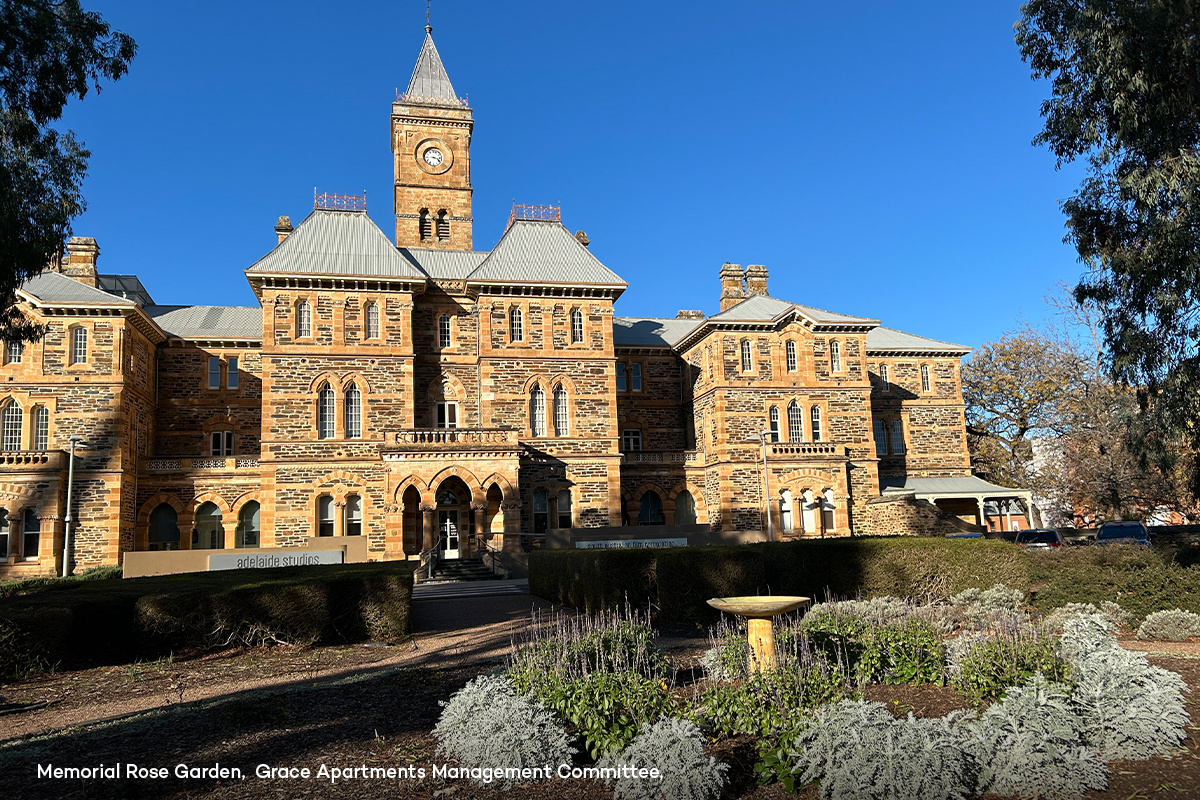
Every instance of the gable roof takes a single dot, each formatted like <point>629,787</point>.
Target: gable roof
<point>55,288</point>
<point>443,265</point>
<point>209,322</point>
<point>651,331</point>
<point>890,340</point>
<point>337,243</point>
<point>763,308</point>
<point>537,251</point>
<point>429,80</point>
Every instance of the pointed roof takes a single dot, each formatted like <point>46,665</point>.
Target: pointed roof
<point>54,288</point>
<point>429,81</point>
<point>337,243</point>
<point>763,308</point>
<point>542,252</point>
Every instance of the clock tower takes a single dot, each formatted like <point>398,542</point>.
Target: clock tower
<point>431,146</point>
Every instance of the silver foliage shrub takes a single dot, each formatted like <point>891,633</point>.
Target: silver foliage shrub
<point>859,751</point>
<point>958,649</point>
<point>1084,634</point>
<point>975,608</point>
<point>676,748</point>
<point>1030,744</point>
<point>710,662</point>
<point>1175,625</point>
<point>1113,612</point>
<point>487,724</point>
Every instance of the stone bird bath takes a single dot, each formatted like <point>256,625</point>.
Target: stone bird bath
<point>758,611</point>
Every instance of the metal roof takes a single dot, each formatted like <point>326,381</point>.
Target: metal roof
<point>651,332</point>
<point>944,487</point>
<point>429,79</point>
<point>337,243</point>
<point>536,251</point>
<point>762,308</point>
<point>127,287</point>
<point>885,339</point>
<point>209,322</point>
<point>446,265</point>
<point>54,287</point>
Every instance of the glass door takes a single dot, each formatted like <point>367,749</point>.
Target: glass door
<point>448,526</point>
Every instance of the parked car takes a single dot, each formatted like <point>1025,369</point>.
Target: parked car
<point>1039,538</point>
<point>1123,532</point>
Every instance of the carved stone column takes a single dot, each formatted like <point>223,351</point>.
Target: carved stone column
<point>480,510</point>
<point>428,525</point>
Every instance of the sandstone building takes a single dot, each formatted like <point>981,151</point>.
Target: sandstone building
<point>401,388</point>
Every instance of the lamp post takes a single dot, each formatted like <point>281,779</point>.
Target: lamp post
<point>76,441</point>
<point>765,437</point>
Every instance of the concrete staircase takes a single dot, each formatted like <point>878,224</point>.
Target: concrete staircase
<point>462,569</point>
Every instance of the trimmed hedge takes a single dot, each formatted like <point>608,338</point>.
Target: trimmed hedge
<point>112,622</point>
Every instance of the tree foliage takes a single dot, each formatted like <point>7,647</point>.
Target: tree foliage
<point>1125,76</point>
<point>50,51</point>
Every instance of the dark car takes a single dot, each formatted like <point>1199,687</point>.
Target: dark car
<point>1039,538</point>
<point>1124,533</point>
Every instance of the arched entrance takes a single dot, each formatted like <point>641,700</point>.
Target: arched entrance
<point>411,523</point>
<point>455,519</point>
<point>207,534</point>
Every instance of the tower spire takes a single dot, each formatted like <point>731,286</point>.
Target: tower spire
<point>429,79</point>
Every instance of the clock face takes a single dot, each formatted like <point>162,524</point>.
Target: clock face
<point>433,157</point>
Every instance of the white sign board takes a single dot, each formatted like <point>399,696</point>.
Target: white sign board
<point>622,544</point>
<point>284,558</point>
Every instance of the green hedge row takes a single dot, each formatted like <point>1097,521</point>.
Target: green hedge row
<point>120,621</point>
<point>677,582</point>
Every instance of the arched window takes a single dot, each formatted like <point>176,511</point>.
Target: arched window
<point>561,412</point>
<point>827,509</point>
<point>773,418</point>
<point>808,515</point>
<point>926,385</point>
<point>576,326</point>
<point>444,331</point>
<point>164,528</point>
<point>353,515</point>
<point>815,425</point>
<point>247,529</point>
<point>537,411</point>
<point>790,349</point>
<point>443,226</point>
<point>881,447</point>
<point>541,510</point>
<point>353,413</point>
<point>786,520</point>
<point>516,326</point>
<point>13,420</point>
<point>31,534</point>
<point>685,508</point>
<point>79,345</point>
<point>326,408</point>
<point>303,320</point>
<point>424,225</point>
<point>747,363</point>
<point>207,532</point>
<point>897,437</point>
<point>651,511</point>
<point>835,356</point>
<point>564,508</point>
<point>795,422</point>
<point>325,515</point>
<point>372,315</point>
<point>884,383</point>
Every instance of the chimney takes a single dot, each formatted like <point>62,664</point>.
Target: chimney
<point>756,280</point>
<point>283,228</point>
<point>581,236</point>
<point>80,263</point>
<point>690,314</point>
<point>733,290</point>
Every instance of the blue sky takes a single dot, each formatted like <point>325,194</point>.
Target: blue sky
<point>875,156</point>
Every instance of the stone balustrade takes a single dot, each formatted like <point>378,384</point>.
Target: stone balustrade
<point>194,464</point>
<point>449,438</point>
<point>33,460</point>
<point>802,449</point>
<point>661,456</point>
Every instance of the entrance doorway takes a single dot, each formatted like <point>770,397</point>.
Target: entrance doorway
<point>448,528</point>
<point>455,519</point>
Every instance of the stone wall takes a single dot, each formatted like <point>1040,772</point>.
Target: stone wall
<point>904,515</point>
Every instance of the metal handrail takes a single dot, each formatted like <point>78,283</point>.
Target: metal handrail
<point>429,558</point>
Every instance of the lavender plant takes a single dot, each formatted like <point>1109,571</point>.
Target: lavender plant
<point>1175,625</point>
<point>676,748</point>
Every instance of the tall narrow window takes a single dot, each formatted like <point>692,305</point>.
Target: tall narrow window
<point>247,530</point>
<point>214,373</point>
<point>425,225</point>
<point>561,416</point>
<point>835,356</point>
<point>881,447</point>
<point>79,345</point>
<point>747,363</point>
<point>815,425</point>
<point>897,437</point>
<point>4,535</point>
<point>221,443</point>
<point>635,377</point>
<point>576,326</point>
<point>795,422</point>
<point>651,510</point>
<point>353,515</point>
<point>13,352</point>
<point>10,436</point>
<point>303,320</point>
<point>541,512</point>
<point>827,509</point>
<point>372,315</point>
<point>884,383</point>
<point>790,349</point>
<point>325,516</point>
<point>926,384</point>
<point>353,413</point>
<point>444,331</point>
<point>326,408</point>
<point>31,534</point>
<point>516,326</point>
<point>564,508</point>
<point>231,372</point>
<point>622,380</point>
<point>537,411</point>
<point>447,415</point>
<point>708,369</point>
<point>41,428</point>
<point>443,226</point>
<point>773,418</point>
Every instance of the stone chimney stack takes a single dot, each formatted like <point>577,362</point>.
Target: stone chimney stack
<point>733,289</point>
<point>283,228</point>
<point>688,313</point>
<point>756,280</point>
<point>581,237</point>
<point>80,261</point>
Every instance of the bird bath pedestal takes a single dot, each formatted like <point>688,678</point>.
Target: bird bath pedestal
<point>758,612</point>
